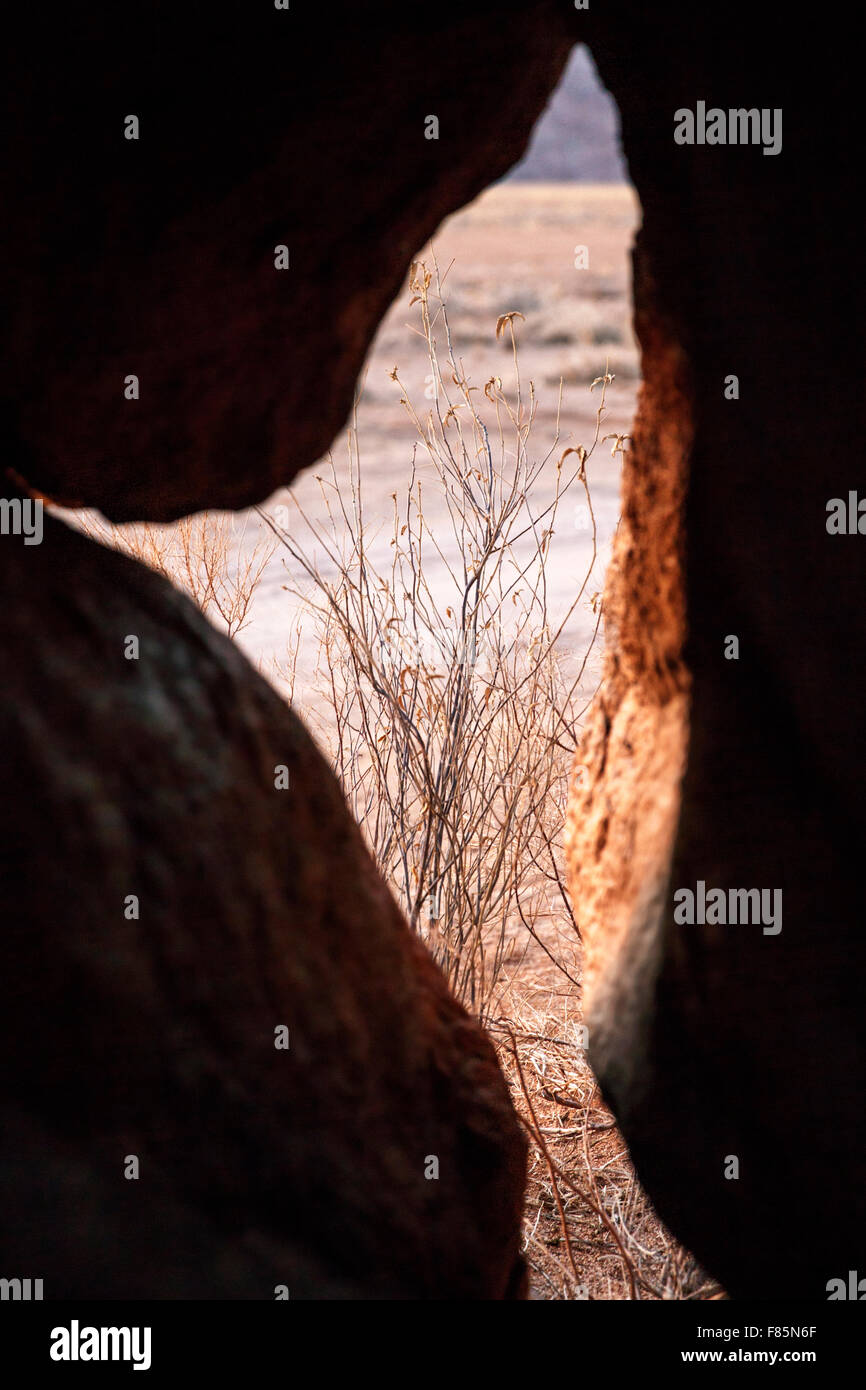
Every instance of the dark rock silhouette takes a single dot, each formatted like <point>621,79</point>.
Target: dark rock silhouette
<point>154,1036</point>
<point>156,258</point>
<point>156,777</point>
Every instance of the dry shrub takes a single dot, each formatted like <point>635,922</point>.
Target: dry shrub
<point>205,555</point>
<point>451,717</point>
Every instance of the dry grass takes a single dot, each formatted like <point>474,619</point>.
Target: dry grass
<point>204,555</point>
<point>589,1229</point>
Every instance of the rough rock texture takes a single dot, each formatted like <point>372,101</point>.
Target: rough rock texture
<point>156,258</point>
<point>155,1037</point>
<point>719,1040</point>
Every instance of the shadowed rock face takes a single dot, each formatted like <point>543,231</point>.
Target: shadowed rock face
<point>260,907</point>
<point>155,1036</point>
<point>156,257</point>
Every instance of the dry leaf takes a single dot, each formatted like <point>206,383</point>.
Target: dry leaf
<point>508,319</point>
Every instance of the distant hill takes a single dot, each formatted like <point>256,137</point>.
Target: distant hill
<point>576,138</point>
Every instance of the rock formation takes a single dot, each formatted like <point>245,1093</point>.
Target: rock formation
<point>715,1042</point>
<point>182,880</point>
<point>155,257</point>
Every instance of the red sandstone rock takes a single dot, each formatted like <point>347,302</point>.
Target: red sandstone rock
<point>158,259</point>
<point>155,1036</point>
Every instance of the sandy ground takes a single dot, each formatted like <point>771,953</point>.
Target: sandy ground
<point>513,249</point>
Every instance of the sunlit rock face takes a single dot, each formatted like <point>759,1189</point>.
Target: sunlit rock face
<point>733,1053</point>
